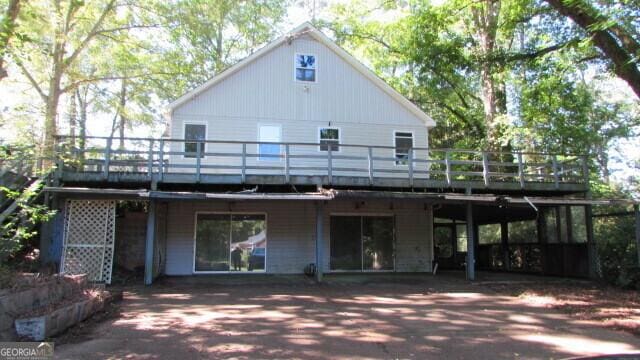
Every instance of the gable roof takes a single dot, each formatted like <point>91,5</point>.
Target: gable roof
<point>307,29</point>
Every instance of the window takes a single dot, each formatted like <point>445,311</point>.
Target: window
<point>461,237</point>
<point>305,67</point>
<point>269,133</point>
<point>403,142</point>
<point>362,243</point>
<point>329,138</point>
<point>194,132</point>
<point>523,232</point>
<point>230,242</point>
<point>442,236</point>
<point>489,234</point>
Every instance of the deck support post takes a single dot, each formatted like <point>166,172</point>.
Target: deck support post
<point>471,256</point>
<point>319,239</point>
<point>636,210</point>
<point>429,225</point>
<point>504,242</point>
<point>150,239</point>
<point>592,249</point>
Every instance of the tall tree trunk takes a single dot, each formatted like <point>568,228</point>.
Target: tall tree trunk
<point>614,41</point>
<point>485,16</point>
<point>7,30</point>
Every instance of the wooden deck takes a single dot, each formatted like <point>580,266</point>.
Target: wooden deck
<point>149,162</point>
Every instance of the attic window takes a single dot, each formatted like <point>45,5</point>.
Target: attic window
<point>305,67</point>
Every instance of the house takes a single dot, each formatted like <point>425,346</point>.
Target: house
<point>300,155</point>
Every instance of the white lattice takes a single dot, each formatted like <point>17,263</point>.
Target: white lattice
<point>89,232</point>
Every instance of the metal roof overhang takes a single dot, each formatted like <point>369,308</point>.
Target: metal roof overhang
<point>338,194</point>
<point>177,195</point>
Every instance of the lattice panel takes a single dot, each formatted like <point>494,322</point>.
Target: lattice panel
<point>89,238</point>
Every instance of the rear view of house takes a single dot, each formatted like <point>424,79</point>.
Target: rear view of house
<point>300,157</point>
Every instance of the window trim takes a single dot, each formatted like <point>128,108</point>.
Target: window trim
<point>362,215</point>
<point>230,213</point>
<point>269,160</point>
<point>413,144</point>
<point>184,137</point>
<point>295,67</point>
<point>339,139</point>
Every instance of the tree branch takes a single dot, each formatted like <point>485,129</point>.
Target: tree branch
<point>91,34</point>
<point>33,81</point>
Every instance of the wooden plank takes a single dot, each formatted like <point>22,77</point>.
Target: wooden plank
<point>485,168</point>
<point>107,157</point>
<point>244,163</point>
<point>521,170</point>
<point>370,161</point>
<point>287,175</point>
<point>410,166</point>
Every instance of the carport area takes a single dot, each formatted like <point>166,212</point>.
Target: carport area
<point>348,316</point>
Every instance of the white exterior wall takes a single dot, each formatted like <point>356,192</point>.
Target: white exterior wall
<point>291,231</point>
<point>266,92</point>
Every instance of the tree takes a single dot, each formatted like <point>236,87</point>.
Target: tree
<point>621,45</point>
<point>7,31</point>
<point>61,33</point>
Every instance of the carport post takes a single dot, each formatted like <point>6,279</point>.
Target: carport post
<point>471,257</point>
<point>592,249</point>
<point>151,235</point>
<point>319,238</point>
<point>636,210</point>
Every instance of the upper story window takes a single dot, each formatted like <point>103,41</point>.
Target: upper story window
<point>329,138</point>
<point>403,142</point>
<point>194,132</point>
<point>305,67</point>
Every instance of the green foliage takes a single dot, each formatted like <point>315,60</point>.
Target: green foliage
<point>19,228</point>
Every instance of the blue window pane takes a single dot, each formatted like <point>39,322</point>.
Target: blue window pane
<point>272,152</point>
<point>305,75</point>
<point>306,61</point>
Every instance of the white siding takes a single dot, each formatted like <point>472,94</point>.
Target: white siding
<point>291,232</point>
<point>265,92</point>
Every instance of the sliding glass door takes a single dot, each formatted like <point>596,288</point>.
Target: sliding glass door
<point>230,242</point>
<point>362,243</point>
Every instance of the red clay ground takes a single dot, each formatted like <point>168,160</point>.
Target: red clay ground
<point>348,317</point>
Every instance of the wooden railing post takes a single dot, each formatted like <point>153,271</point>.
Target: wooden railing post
<point>447,165</point>
<point>585,170</point>
<point>370,160</point>
<point>161,160</point>
<point>520,170</point>
<point>485,168</point>
<point>287,177</point>
<point>244,163</point>
<point>330,164</point>
<point>107,158</point>
<point>556,175</point>
<point>150,160</point>
<point>410,164</point>
<point>198,161</point>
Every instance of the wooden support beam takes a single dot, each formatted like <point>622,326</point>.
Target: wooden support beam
<point>485,168</point>
<point>149,243</point>
<point>592,250</point>
<point>370,161</point>
<point>504,242</point>
<point>429,224</point>
<point>471,256</point>
<point>319,239</point>
<point>107,158</point>
<point>636,210</point>
<point>287,175</point>
<point>410,158</point>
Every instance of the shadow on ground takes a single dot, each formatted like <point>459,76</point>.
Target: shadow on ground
<point>346,317</point>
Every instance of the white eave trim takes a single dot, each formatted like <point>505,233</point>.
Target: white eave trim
<point>310,30</point>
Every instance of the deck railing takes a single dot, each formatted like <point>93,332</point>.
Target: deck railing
<point>157,158</point>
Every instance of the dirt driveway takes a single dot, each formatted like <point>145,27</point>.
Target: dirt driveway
<point>395,317</point>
